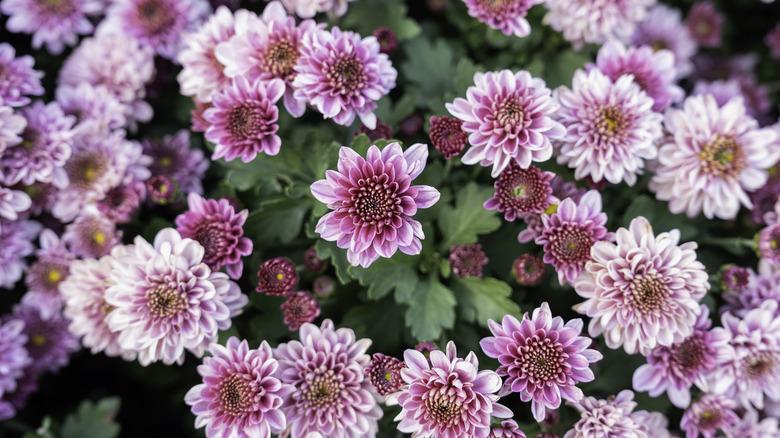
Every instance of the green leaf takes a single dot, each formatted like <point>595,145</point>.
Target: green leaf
<point>368,15</point>
<point>431,310</point>
<point>560,68</point>
<point>93,420</point>
<point>468,219</point>
<point>429,66</point>
<point>481,299</point>
<point>278,220</point>
<point>338,258</point>
<point>385,275</point>
<point>657,213</point>
<point>464,76</point>
<point>377,321</point>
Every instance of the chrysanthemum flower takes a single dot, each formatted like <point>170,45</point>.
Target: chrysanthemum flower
<point>55,24</point>
<point>44,149</point>
<point>663,28</point>
<point>447,135</point>
<point>277,277</point>
<point>528,269</point>
<point>653,70</point>
<point>323,286</point>
<point>310,8</point>
<point>384,373</point>
<point>447,395</point>
<point>91,235</point>
<point>49,343</point>
<point>11,126</point>
<point>16,240</point>
<point>243,119</point>
<point>387,39</point>
<point>520,192</point>
<point>643,290</point>
<point>268,48</point>
<point>312,261</point>
<point>174,157</point>
<point>299,308</point>
<point>607,418</point>
<point>241,394</point>
<point>705,23</point>
<point>568,235</point>
<point>343,75</point>
<point>734,279</point>
<point>772,41</point>
<point>332,396</point>
<point>92,104</point>
<point>121,202</point>
<point>749,426</point>
<point>754,290</point>
<point>161,190</point>
<point>506,16</point>
<point>709,414</point>
<point>507,429</point>
<point>595,21</point>
<point>541,357</point>
<point>508,116</point>
<point>13,202</point>
<point>18,78</point>
<point>769,243</point>
<point>13,354</point>
<point>373,202</point>
<point>654,424</point>
<point>382,131</point>
<point>48,271</point>
<point>467,260</point>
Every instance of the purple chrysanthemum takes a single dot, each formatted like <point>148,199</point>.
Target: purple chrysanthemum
<point>772,41</point>
<point>520,192</point>
<point>382,131</point>
<point>11,126</point>
<point>174,157</point>
<point>506,16</point>
<point>387,39</point>
<point>447,135</point>
<point>643,290</point>
<point>313,262</point>
<point>332,396</point>
<point>219,229</point>
<point>384,373</point>
<point>13,202</point>
<point>48,271</point>
<point>161,190</point>
<point>705,23</point>
<point>508,116</point>
<point>18,78</point>
<point>447,396</point>
<point>722,153</point>
<point>754,290</point>
<point>121,202</point>
<point>277,277</point>
<point>653,70</point>
<point>507,429</point>
<point>343,75</point>
<point>91,235</point>
<point>92,104</point>
<point>528,269</point>
<point>49,343</point>
<point>595,21</point>
<point>373,202</point>
<point>310,8</point>
<point>55,23</point>
<point>44,149</point>
<point>467,260</point>
<point>610,418</point>
<point>241,394</point>
<point>663,28</point>
<point>709,414</point>
<point>42,196</point>
<point>542,358</point>
<point>426,347</point>
<point>749,426</point>
<point>299,308</point>
<point>568,235</point>
<point>769,243</point>
<point>243,119</point>
<point>734,279</point>
<point>323,286</point>
<point>16,241</point>
<point>653,424</point>
<point>13,355</point>
<point>611,129</point>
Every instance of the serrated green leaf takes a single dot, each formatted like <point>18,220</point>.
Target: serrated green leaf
<point>468,219</point>
<point>560,68</point>
<point>429,65</point>
<point>338,258</point>
<point>398,273</point>
<point>368,15</point>
<point>277,221</point>
<point>431,310</point>
<point>659,216</point>
<point>93,420</point>
<point>377,321</point>
<point>464,76</point>
<point>481,299</point>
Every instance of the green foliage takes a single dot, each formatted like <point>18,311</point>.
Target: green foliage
<point>481,299</point>
<point>277,220</point>
<point>385,275</point>
<point>431,310</point>
<point>468,219</point>
<point>368,15</point>
<point>93,420</point>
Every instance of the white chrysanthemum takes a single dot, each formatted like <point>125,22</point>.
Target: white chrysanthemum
<point>595,21</point>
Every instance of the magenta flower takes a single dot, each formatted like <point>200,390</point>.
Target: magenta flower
<point>447,396</point>
<point>277,277</point>
<point>49,343</point>
<point>447,136</point>
<point>373,201</point>
<point>332,396</point>
<point>121,202</point>
<point>467,260</point>
<point>16,240</point>
<point>507,429</point>
<point>610,418</point>
<point>506,16</point>
<point>384,373</point>
<point>520,192</point>
<point>298,309</point>
<point>13,355</point>
<point>754,289</point>
<point>243,119</point>
<point>705,23</point>
<point>55,24</point>
<point>91,235</point>
<point>734,279</point>
<point>313,262</point>
<point>18,78</point>
<point>543,358</point>
<point>663,28</point>
<point>174,157</point>
<point>595,21</point>
<point>388,41</point>
<point>769,243</point>
<point>709,414</point>
<point>528,269</point>
<point>343,75</point>
<point>241,394</point>
<point>508,116</point>
<point>568,235</point>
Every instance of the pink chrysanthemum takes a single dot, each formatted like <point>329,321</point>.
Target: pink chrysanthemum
<point>241,394</point>
<point>705,23</point>
<point>91,235</point>
<point>277,277</point>
<point>611,128</point>
<point>772,41</point>
<point>520,192</point>
<point>93,104</point>
<point>643,290</point>
<point>663,28</point>
<point>55,24</point>
<point>508,116</point>
<point>447,396</point>
<point>769,243</point>
<point>709,414</point>
<point>332,396</point>
<point>506,16</point>
<point>243,119</point>
<point>343,75</point>
<point>676,368</point>
<point>507,429</point>
<point>268,47</point>
<point>595,21</point>
<point>712,158</point>
<point>754,290</point>
<point>219,229</point>
<point>384,373</point>
<point>18,78</point>
<point>298,309</point>
<point>166,300</point>
<point>50,269</point>
<point>121,202</point>
<point>528,269</point>
<point>610,418</point>
<point>467,260</point>
<point>447,135</point>
<point>373,201</point>
<point>568,235</point>
<point>541,357</point>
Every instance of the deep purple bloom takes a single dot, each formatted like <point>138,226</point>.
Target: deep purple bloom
<point>467,260</point>
<point>528,269</point>
<point>520,192</point>
<point>16,241</point>
<point>705,23</point>
<point>382,131</point>
<point>663,28</point>
<point>298,309</point>
<point>507,16</point>
<point>174,157</point>
<point>313,262</point>
<point>49,342</point>
<point>18,78</point>
<point>374,201</point>
<point>709,414</point>
<point>277,277</point>
<point>754,289</point>
<point>447,135</point>
<point>13,355</point>
<point>772,41</point>
<point>542,358</point>
<point>507,429</point>
<point>121,202</point>
<point>91,235</point>
<point>384,373</point>
<point>388,42</point>
<point>734,279</point>
<point>323,286</point>
<point>55,23</point>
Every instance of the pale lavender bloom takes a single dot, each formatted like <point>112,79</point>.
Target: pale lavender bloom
<point>653,70</point>
<point>760,287</point>
<point>595,21</point>
<point>51,267</point>
<point>643,290</point>
<point>705,23</point>
<point>241,394</point>
<point>709,414</point>
<point>712,158</point>
<point>447,396</point>
<point>310,8</point>
<point>374,201</point>
<point>56,23</point>
<point>332,396</point>
<point>11,126</point>
<point>611,128</point>
<point>722,90</point>
<point>654,424</point>
<point>663,28</point>
<point>44,149</point>
<point>91,235</point>
<point>610,418</point>
<point>174,157</point>
<point>676,368</point>
<point>11,402</point>
<point>16,242</point>
<point>244,120</point>
<point>749,426</point>
<point>506,16</point>
<point>13,202</point>
<point>568,235</point>
<point>13,355</point>
<point>508,116</point>
<point>754,95</point>
<point>18,78</point>
<point>541,357</point>
<point>49,343</point>
<point>507,429</point>
<point>343,75</point>
<point>92,104</point>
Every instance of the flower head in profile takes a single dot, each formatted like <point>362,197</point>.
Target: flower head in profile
<point>705,23</point>
<point>709,414</point>
<point>595,21</point>
<point>13,355</point>
<point>298,309</point>
<point>653,281</point>
<point>241,393</point>
<point>611,128</point>
<point>55,24</point>
<point>16,239</point>
<point>277,276</point>
<point>611,417</point>
<point>447,135</point>
<point>467,260</point>
<point>520,192</point>
<point>542,358</point>
<point>331,396</point>
<point>663,28</point>
<point>447,395</point>
<point>18,78</point>
<point>508,116</point>
<point>373,202</point>
<point>49,343</point>
<point>506,16</point>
